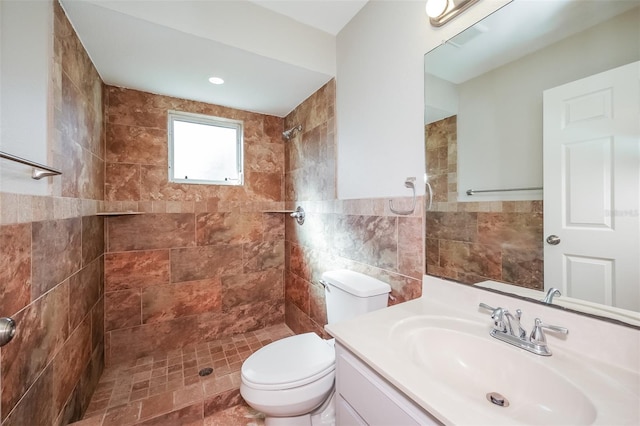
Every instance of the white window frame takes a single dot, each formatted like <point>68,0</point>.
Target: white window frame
<point>208,120</point>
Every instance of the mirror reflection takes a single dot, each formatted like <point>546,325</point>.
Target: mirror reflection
<point>538,94</point>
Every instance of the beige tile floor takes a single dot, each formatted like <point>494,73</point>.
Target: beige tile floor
<point>166,389</point>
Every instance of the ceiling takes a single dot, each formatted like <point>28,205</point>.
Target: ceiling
<point>520,28</point>
<point>272,54</point>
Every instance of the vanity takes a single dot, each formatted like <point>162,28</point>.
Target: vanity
<point>432,361</point>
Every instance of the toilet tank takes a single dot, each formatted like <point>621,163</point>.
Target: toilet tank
<point>349,294</point>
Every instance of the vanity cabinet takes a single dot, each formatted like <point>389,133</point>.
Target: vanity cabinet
<point>364,398</point>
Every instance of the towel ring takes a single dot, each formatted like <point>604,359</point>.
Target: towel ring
<point>409,183</point>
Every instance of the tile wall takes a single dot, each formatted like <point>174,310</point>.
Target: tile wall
<point>51,256</point>
<point>203,261</point>
<point>477,241</point>
<point>362,235</point>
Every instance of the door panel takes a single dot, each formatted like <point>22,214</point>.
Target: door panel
<point>592,187</point>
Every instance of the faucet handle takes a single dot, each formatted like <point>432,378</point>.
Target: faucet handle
<point>485,306</point>
<point>537,336</point>
<point>497,314</point>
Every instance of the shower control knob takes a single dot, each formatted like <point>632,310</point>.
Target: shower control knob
<point>7,330</point>
<point>554,240</point>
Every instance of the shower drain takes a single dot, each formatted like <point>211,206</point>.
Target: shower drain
<point>205,371</point>
<point>497,399</point>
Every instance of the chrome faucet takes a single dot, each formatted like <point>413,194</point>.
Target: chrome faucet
<point>548,299</point>
<point>514,321</point>
<point>507,327</point>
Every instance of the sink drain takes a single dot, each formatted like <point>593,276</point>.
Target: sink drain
<point>497,399</point>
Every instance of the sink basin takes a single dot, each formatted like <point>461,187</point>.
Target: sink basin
<point>460,357</point>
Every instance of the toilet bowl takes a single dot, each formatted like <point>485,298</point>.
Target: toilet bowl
<point>292,380</point>
<point>289,378</point>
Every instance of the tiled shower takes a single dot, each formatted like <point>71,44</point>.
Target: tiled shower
<point>201,269</point>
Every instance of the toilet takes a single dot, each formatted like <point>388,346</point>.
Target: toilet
<point>292,380</point>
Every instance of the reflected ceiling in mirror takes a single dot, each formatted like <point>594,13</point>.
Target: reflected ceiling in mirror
<point>483,116</point>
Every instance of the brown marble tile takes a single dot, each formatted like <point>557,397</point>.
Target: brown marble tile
<point>69,122</point>
<point>123,415</point>
<point>136,145</point>
<point>155,186</point>
<point>136,269</point>
<point>92,238</point>
<point>156,405</point>
<point>523,230</point>
<point>122,309</point>
<point>151,231</point>
<point>264,157</point>
<point>402,288</point>
<point>297,292</point>
<point>36,407</point>
<point>222,401</point>
<point>240,319</point>
<point>15,267</point>
<point>85,289</point>
<point>319,237</point>
<point>182,416</point>
<point>261,256</point>
<point>455,226</point>
<point>273,128</point>
<point>128,344</point>
<point>164,302</point>
<point>57,253</point>
<point>97,323</point>
<point>368,239</point>
<point>135,108</point>
<point>440,187</point>
<point>43,329</point>
<point>432,248</point>
<point>299,322</point>
<point>411,247</point>
<point>240,415</point>
<point>274,226</point>
<point>300,262</point>
<point>523,267</point>
<point>228,228</point>
<point>122,182</point>
<point>317,304</point>
<point>475,259</point>
<point>246,289</point>
<point>264,186</point>
<point>70,362</point>
<point>198,263</point>
<point>440,132</point>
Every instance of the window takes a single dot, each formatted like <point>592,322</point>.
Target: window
<point>204,149</point>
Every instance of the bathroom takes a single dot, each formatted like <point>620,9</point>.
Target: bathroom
<point>95,291</point>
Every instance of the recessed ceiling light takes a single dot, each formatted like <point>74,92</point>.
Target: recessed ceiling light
<point>216,80</point>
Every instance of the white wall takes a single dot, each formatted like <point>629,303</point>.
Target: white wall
<point>24,91</point>
<point>380,94</point>
<point>500,115</point>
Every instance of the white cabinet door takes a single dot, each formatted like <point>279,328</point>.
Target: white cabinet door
<point>592,187</point>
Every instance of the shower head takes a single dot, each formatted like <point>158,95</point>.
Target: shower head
<point>288,134</point>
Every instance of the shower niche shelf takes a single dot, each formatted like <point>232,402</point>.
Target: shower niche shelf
<point>118,213</point>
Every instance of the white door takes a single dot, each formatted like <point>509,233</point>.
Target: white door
<point>592,187</point>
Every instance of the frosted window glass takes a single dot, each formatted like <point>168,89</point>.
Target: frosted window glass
<point>205,149</point>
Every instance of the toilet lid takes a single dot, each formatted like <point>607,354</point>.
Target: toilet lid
<point>289,362</point>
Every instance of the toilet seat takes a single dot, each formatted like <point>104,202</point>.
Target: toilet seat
<point>288,363</point>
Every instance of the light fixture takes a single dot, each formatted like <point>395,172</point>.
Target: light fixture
<point>442,11</point>
<point>216,80</point>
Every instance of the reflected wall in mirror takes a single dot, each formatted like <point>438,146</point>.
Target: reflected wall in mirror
<point>484,131</point>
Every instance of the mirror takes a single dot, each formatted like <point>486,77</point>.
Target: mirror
<point>484,133</point>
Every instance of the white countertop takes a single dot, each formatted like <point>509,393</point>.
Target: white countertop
<point>600,359</point>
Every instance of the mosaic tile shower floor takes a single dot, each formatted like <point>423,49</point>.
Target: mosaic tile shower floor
<point>166,389</point>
